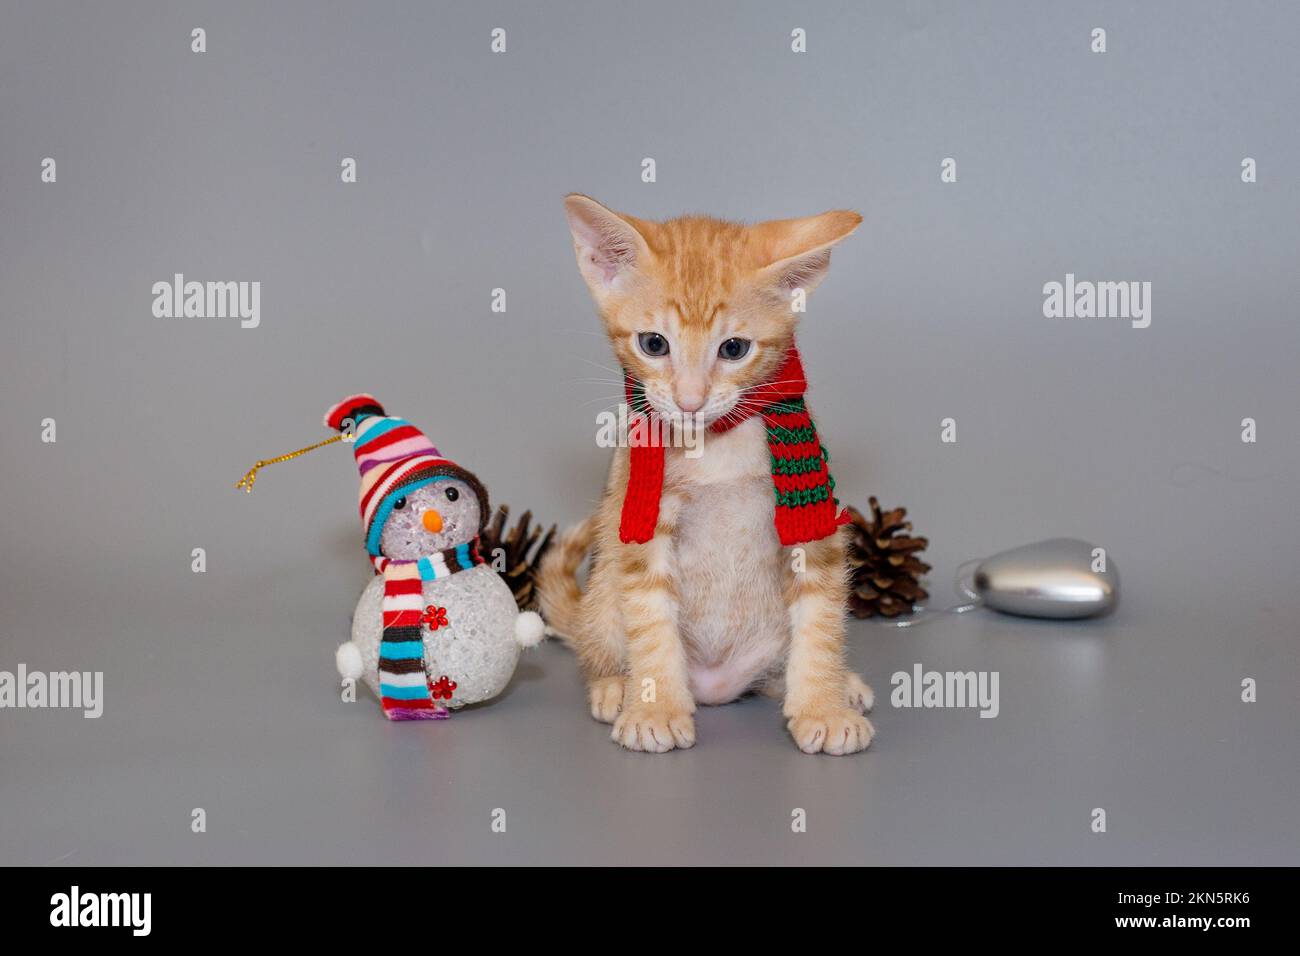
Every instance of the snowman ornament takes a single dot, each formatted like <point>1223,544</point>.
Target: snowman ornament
<point>437,628</point>
<point>469,630</point>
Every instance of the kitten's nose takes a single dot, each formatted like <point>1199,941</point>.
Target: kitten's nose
<point>432,521</point>
<point>689,397</point>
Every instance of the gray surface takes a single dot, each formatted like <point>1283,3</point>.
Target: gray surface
<point>220,687</point>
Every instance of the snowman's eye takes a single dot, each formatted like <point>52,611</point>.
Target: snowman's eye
<point>452,494</point>
<point>399,504</point>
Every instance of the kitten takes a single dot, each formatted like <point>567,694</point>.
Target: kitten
<point>711,607</point>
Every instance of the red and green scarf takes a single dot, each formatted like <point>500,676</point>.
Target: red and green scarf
<point>806,509</point>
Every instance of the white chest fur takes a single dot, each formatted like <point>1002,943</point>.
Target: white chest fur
<point>729,564</point>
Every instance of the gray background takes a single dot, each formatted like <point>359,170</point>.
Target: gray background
<point>220,689</point>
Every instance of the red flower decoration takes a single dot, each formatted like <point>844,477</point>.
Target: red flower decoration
<point>443,688</point>
<point>435,617</point>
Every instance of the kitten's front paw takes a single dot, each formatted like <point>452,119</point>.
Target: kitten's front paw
<point>841,730</point>
<point>606,697</point>
<point>861,697</point>
<point>654,728</point>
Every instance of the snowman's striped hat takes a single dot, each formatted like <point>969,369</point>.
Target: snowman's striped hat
<point>394,458</point>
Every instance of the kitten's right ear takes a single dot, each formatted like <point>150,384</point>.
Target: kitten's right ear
<point>608,245</point>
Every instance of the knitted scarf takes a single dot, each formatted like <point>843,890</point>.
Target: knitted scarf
<point>805,507</point>
<point>406,691</point>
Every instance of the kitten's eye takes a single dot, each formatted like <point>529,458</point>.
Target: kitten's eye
<point>399,504</point>
<point>452,494</point>
<point>734,349</point>
<point>652,344</point>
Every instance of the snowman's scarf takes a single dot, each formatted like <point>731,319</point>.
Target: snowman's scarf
<point>405,689</point>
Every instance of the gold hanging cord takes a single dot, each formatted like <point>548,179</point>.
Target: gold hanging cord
<point>247,481</point>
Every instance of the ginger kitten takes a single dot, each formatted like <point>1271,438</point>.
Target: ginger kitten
<point>711,605</point>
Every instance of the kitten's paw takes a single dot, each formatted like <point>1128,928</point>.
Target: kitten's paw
<point>841,730</point>
<point>654,729</point>
<point>606,697</point>
<point>861,697</point>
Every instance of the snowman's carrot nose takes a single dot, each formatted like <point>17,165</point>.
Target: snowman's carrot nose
<point>432,521</point>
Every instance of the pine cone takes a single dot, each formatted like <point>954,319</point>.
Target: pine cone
<point>517,563</point>
<point>883,564</point>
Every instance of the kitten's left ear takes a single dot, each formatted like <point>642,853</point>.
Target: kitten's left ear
<point>796,253</point>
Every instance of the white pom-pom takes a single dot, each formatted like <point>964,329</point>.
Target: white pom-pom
<point>529,629</point>
<point>348,660</point>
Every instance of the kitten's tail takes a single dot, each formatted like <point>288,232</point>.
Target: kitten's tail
<point>557,579</point>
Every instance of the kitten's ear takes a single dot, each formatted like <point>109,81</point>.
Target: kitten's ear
<point>795,253</point>
<point>608,245</point>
